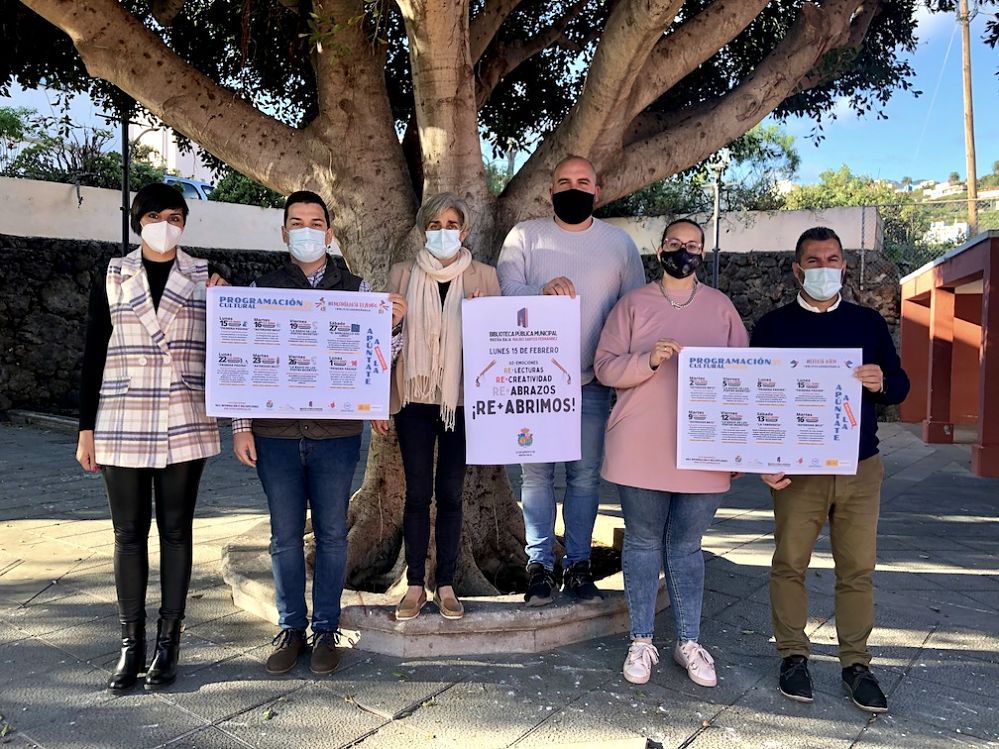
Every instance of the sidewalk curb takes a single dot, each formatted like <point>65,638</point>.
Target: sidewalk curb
<point>66,424</point>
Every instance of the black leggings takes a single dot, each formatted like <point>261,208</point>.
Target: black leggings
<point>419,427</point>
<point>130,494</point>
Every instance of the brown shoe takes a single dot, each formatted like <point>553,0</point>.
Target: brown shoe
<point>449,605</point>
<point>325,656</point>
<point>409,607</point>
<point>288,645</point>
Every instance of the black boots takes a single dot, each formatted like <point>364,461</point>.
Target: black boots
<point>132,659</point>
<point>163,670</point>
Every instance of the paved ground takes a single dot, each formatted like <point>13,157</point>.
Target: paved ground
<point>935,646</point>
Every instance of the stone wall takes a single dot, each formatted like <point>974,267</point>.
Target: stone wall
<point>45,283</point>
<point>44,290</point>
<point>759,281</point>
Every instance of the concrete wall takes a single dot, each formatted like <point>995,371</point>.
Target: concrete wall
<point>29,208</point>
<point>768,231</point>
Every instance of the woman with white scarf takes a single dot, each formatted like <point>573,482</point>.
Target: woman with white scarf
<point>427,395</point>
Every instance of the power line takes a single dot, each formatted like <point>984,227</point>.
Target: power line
<point>933,99</point>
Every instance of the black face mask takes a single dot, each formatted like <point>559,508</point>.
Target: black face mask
<point>680,263</point>
<point>573,206</point>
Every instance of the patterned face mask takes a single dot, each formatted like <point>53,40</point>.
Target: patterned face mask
<point>680,263</point>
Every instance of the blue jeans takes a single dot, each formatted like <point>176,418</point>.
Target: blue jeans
<point>664,530</point>
<point>582,484</point>
<point>300,474</point>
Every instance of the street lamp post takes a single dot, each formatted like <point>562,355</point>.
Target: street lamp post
<point>717,164</point>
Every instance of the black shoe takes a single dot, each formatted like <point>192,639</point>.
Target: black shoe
<point>864,690</point>
<point>163,670</point>
<point>540,583</point>
<point>795,681</point>
<point>132,659</point>
<point>288,646</point>
<point>325,654</point>
<point>577,581</point>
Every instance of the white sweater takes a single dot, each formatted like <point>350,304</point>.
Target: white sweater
<point>602,262</point>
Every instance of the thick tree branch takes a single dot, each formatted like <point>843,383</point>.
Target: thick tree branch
<point>694,42</point>
<point>482,29</point>
<point>830,67</point>
<point>600,115</point>
<point>703,129</point>
<point>115,46</point>
<point>505,58</point>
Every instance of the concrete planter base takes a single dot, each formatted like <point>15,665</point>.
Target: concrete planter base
<point>499,624</point>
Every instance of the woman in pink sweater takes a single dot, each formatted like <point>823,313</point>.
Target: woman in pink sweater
<point>666,510</point>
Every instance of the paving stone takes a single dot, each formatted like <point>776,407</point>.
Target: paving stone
<point>40,684</point>
<point>89,641</point>
<point>765,718</point>
<point>959,645</point>
<point>241,631</point>
<point>575,725</point>
<point>226,689</point>
<point>306,718</point>
<point>387,686</point>
<point>53,614</point>
<point>398,734</point>
<point>20,741</point>
<point>662,715</point>
<point>889,732</point>
<point>208,602</point>
<point>977,677</point>
<point>488,714</point>
<point>208,738</point>
<point>135,721</point>
<point>951,709</point>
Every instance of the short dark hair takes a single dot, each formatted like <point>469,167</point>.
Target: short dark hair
<point>305,196</point>
<point>154,198</point>
<point>815,234</point>
<point>673,223</point>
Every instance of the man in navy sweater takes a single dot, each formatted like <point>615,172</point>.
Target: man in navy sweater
<point>820,318</point>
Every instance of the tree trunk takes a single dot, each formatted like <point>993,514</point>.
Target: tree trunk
<point>492,557</point>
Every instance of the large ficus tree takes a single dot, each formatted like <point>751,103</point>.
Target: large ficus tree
<point>374,104</point>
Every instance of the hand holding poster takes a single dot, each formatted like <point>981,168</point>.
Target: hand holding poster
<point>758,410</point>
<point>522,390</point>
<point>280,353</point>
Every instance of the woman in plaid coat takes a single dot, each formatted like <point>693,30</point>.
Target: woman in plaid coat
<point>143,421</point>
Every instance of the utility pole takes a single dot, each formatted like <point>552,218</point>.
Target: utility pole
<point>964,18</point>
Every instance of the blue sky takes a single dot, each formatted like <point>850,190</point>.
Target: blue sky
<point>923,136</point>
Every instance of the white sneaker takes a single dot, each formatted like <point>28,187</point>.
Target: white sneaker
<point>642,656</point>
<point>698,662</point>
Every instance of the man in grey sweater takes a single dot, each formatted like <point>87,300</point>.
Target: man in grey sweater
<point>569,254</point>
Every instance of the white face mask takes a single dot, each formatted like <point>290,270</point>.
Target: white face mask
<point>443,243</point>
<point>161,236</point>
<point>306,244</point>
<point>823,284</point>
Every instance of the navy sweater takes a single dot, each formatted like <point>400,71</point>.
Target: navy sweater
<point>848,326</point>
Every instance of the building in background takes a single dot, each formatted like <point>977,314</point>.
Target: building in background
<point>165,152</point>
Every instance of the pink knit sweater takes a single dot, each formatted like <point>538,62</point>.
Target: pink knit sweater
<point>640,449</point>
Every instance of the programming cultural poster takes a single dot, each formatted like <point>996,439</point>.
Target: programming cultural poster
<point>302,354</point>
<point>779,410</point>
<point>522,390</point>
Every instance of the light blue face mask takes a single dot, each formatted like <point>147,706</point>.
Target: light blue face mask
<point>443,243</point>
<point>822,284</point>
<point>306,244</point>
